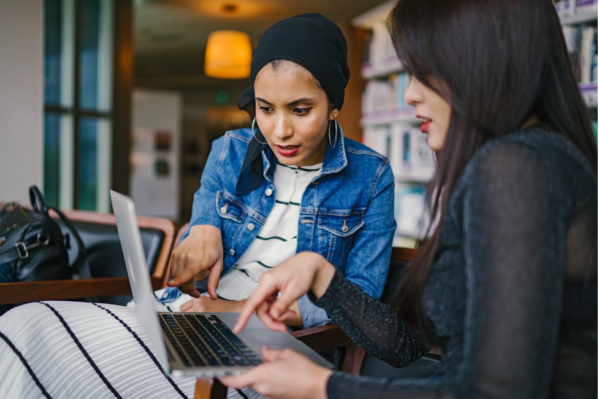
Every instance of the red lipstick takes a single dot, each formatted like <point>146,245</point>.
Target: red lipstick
<point>424,126</point>
<point>288,150</point>
<point>426,122</point>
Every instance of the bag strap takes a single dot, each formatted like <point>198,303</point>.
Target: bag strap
<point>38,203</point>
<point>20,251</point>
<point>81,262</point>
<point>6,206</point>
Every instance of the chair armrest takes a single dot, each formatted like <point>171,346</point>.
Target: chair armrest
<point>323,338</point>
<point>209,388</point>
<point>12,293</point>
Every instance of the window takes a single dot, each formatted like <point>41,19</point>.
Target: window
<point>78,72</point>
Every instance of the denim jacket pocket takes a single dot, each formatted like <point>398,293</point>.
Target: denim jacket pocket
<point>229,208</point>
<point>336,232</point>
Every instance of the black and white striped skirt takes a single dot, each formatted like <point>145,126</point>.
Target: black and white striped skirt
<point>71,350</point>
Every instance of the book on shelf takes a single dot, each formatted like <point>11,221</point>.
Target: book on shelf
<point>569,8</point>
<point>588,55</point>
<point>410,210</point>
<point>366,47</point>
<point>565,8</point>
<point>585,6</point>
<point>406,148</point>
<point>581,42</point>
<point>385,94</point>
<point>379,44</point>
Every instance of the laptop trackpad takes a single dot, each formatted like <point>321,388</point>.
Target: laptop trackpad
<point>231,318</point>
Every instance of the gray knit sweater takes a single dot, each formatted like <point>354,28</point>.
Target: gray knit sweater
<point>513,289</point>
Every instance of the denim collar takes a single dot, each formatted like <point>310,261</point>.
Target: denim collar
<point>335,159</point>
<point>252,170</point>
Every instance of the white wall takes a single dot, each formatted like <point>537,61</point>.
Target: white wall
<point>21,98</point>
<point>155,112</point>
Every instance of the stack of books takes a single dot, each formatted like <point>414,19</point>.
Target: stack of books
<point>385,94</point>
<point>378,46</point>
<point>407,149</point>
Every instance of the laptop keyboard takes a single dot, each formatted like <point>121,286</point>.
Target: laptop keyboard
<point>205,341</point>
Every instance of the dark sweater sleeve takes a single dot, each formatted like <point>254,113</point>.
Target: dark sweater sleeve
<point>513,216</point>
<point>371,324</point>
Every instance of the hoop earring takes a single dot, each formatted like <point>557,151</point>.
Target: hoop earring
<point>254,133</point>
<point>331,143</point>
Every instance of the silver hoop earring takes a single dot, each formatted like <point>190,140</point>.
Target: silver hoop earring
<point>330,142</point>
<point>254,133</point>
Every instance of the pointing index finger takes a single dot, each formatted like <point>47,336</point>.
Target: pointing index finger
<point>258,297</point>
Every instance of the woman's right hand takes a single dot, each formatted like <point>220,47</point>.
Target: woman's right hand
<point>199,253</point>
<point>292,279</point>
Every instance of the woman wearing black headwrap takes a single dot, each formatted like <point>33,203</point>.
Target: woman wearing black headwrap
<point>296,151</point>
<point>292,183</point>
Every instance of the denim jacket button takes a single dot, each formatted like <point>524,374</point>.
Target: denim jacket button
<point>251,226</point>
<point>268,192</point>
<point>223,209</point>
<point>232,252</point>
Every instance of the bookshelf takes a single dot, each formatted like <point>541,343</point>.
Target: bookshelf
<point>388,116</point>
<point>390,126</point>
<point>386,67</point>
<point>579,18</point>
<point>579,24</point>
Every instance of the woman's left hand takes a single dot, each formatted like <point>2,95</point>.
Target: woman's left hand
<point>207,304</point>
<point>284,374</point>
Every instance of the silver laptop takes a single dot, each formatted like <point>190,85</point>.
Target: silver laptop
<point>193,344</point>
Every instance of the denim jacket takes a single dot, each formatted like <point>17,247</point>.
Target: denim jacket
<point>346,213</point>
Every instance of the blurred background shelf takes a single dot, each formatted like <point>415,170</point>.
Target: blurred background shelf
<point>416,175</point>
<point>385,67</point>
<point>578,18</point>
<point>407,232</point>
<point>389,116</point>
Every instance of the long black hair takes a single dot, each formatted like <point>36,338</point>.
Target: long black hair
<point>499,61</point>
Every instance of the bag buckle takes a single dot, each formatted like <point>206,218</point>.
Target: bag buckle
<point>41,241</point>
<point>22,250</point>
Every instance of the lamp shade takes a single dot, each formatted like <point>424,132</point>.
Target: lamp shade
<point>228,55</point>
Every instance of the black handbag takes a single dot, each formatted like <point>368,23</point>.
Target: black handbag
<point>32,245</point>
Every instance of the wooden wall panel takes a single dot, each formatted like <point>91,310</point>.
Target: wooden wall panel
<point>351,113</point>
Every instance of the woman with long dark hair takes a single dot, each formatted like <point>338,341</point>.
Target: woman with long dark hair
<point>506,280</point>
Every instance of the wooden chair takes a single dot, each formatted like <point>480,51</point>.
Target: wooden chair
<point>90,225</point>
<point>325,338</point>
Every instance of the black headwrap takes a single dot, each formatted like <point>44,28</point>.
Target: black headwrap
<point>312,41</point>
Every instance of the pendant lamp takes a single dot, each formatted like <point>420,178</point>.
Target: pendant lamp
<point>228,55</point>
